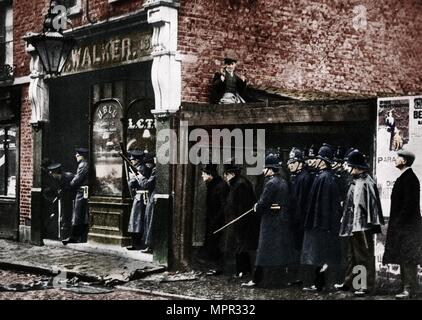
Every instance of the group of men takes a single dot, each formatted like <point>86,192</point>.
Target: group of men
<point>142,184</point>
<point>141,178</point>
<point>76,184</point>
<point>303,224</point>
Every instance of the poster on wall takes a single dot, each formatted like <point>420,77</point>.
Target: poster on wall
<point>399,126</point>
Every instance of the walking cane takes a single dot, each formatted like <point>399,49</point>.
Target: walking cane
<point>233,221</point>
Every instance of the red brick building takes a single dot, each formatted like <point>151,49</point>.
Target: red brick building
<point>299,50</point>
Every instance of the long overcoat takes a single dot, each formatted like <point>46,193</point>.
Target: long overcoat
<point>243,234</point>
<point>80,205</point>
<point>404,234</point>
<point>321,243</point>
<point>276,246</point>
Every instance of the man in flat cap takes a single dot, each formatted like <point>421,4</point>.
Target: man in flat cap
<point>404,235</point>
<point>79,183</point>
<point>227,87</point>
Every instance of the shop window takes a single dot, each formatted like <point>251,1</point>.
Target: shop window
<point>8,161</point>
<point>72,6</point>
<point>6,41</point>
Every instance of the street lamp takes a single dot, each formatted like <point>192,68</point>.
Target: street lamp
<point>51,45</point>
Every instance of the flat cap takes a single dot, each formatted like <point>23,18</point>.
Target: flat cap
<point>406,154</point>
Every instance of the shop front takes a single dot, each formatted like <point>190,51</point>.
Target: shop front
<point>9,163</point>
<point>102,101</point>
<point>287,124</point>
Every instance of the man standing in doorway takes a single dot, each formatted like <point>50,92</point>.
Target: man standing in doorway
<point>140,200</point>
<point>241,238</point>
<point>404,235</point>
<point>79,183</point>
<point>217,191</point>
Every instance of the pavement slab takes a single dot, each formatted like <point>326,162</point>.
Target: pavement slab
<point>104,267</point>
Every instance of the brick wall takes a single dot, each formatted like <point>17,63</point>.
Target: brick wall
<point>25,158</point>
<point>307,45</point>
<point>29,15</point>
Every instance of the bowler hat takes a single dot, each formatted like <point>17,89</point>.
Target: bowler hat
<point>407,155</point>
<point>228,60</point>
<point>326,153</point>
<point>136,154</point>
<point>210,169</point>
<point>295,155</point>
<point>231,166</point>
<point>357,159</point>
<point>272,161</point>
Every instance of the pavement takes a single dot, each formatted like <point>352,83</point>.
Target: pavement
<point>136,272</point>
<point>85,261</point>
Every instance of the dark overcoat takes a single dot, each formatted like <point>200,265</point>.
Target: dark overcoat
<point>137,214</point>
<point>217,191</point>
<point>149,184</point>
<point>299,192</point>
<point>275,247</point>
<point>80,205</point>
<point>321,243</point>
<point>218,88</point>
<point>243,234</point>
<point>404,234</point>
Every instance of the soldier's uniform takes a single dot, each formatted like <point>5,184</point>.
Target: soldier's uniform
<point>140,200</point>
<point>79,184</point>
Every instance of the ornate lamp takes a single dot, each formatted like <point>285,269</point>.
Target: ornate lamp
<point>51,45</point>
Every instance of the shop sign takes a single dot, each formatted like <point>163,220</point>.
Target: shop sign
<point>110,52</point>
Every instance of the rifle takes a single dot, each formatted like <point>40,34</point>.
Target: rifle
<point>128,164</point>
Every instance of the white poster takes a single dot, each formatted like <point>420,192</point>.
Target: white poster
<point>399,126</point>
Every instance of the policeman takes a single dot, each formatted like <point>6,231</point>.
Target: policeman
<point>140,201</point>
<point>321,243</point>
<point>275,247</point>
<point>79,184</point>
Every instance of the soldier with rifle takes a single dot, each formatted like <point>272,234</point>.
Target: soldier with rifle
<point>61,194</point>
<point>79,183</point>
<point>138,172</point>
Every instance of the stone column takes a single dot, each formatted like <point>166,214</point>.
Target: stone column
<point>39,98</point>
<point>166,81</point>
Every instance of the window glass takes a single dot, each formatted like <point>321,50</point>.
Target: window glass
<point>11,162</point>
